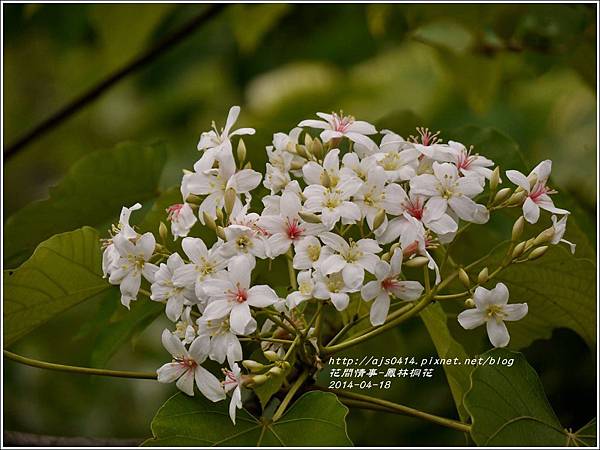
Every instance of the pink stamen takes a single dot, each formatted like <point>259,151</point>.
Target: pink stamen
<point>538,190</point>
<point>294,230</point>
<point>229,378</point>
<point>240,295</point>
<point>414,208</point>
<point>341,123</point>
<point>173,211</point>
<point>188,363</point>
<point>390,283</point>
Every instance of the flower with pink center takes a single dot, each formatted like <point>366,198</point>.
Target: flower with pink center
<point>186,368</point>
<point>336,126</point>
<point>388,284</point>
<point>182,219</point>
<point>230,295</point>
<point>233,382</point>
<point>287,227</point>
<point>538,193</point>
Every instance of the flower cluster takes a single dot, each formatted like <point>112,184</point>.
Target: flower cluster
<point>346,214</point>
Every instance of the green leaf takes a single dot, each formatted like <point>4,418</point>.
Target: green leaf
<point>112,336</point>
<point>92,193</point>
<point>315,419</point>
<point>508,405</point>
<point>560,291</point>
<point>586,436</point>
<point>63,271</point>
<point>447,347</point>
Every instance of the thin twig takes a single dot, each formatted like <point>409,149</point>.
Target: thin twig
<point>136,64</point>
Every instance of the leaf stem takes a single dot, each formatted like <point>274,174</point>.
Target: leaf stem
<point>80,370</point>
<point>290,394</point>
<point>291,272</point>
<point>387,406</point>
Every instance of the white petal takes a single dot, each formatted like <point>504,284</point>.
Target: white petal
<point>340,300</point>
<point>332,264</point>
<point>499,295</point>
<point>531,211</point>
<point>241,319</point>
<point>208,384</point>
<point>217,309</point>
<point>173,345</point>
<point>199,349</point>
<point>471,318</point>
<point>497,333</point>
<point>353,275</point>
<point>370,290</point>
<point>170,372</point>
<point>379,309</point>
<point>408,290</point>
<point>261,296</point>
<point>194,248</point>
<point>334,241</point>
<point>519,179</point>
<point>516,311</point>
<point>236,402</point>
<point>186,382</point>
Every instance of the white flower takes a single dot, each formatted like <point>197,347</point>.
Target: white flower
<point>223,342</point>
<point>492,309</point>
<point>182,219</point>
<point>313,172</point>
<point>398,158</point>
<point>233,381</point>
<point>243,241</point>
<point>560,227</point>
<point>414,241</point>
<point>186,368</point>
<point>447,189</point>
<point>111,256</point>
<point>287,227</point>
<point>218,142</point>
<point>351,259</point>
<point>336,126</point>
<point>333,204</point>
<point>185,328</point>
<point>164,289</point>
<point>388,283</point>
<point>204,264</point>
<point>469,164</point>
<point>306,286</point>
<point>359,167</point>
<point>232,296</point>
<point>309,254</point>
<point>132,264</point>
<point>332,287</point>
<point>538,196</point>
<point>374,195</point>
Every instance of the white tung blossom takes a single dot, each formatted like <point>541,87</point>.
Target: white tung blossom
<point>336,126</point>
<point>164,289</point>
<point>182,219</point>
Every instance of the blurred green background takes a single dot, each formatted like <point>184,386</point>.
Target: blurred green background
<point>527,70</point>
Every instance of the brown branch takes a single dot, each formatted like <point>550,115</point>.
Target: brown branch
<point>87,97</point>
<point>20,439</point>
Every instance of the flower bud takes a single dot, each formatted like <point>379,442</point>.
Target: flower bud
<point>309,217</point>
<point>230,198</point>
<point>495,179</point>
<point>469,303</point>
<point>316,148</point>
<point>221,233</point>
<point>517,229</point>
<point>324,179</point>
<point>464,278</point>
<point>258,380</point>
<point>417,261</point>
<point>393,247</point>
<point>271,355</point>
<point>297,165</point>
<point>253,366</point>
<point>248,165</point>
<point>379,218</point>
<point>537,253</point>
<point>276,371</point>
<point>517,198</point>
<point>301,151</point>
<point>307,141</point>
<point>241,151</point>
<point>483,276</point>
<point>220,217</point>
<point>502,195</point>
<point>386,256</point>
<point>518,250</point>
<point>544,236</point>
<point>285,365</point>
<point>163,232</point>
<point>193,199</point>
<point>209,221</point>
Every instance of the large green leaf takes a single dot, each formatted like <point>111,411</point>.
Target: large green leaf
<point>315,419</point>
<point>92,193</point>
<point>63,271</point>
<point>447,347</point>
<point>560,291</point>
<point>508,405</point>
<point>113,335</point>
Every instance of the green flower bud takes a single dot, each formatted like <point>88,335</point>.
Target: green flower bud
<point>248,165</point>
<point>163,232</point>
<point>464,278</point>
<point>241,151</point>
<point>324,179</point>
<point>193,199</point>
<point>379,218</point>
<point>544,236</point>
<point>393,247</point>
<point>307,141</point>
<point>417,261</point>
<point>386,256</point>
<point>495,179</point>
<point>253,366</point>
<point>502,195</point>
<point>230,198</point>
<point>258,380</point>
<point>537,253</point>
<point>469,303</point>
<point>518,227</point>
<point>209,221</point>
<point>518,250</point>
<point>271,355</point>
<point>297,165</point>
<point>301,150</point>
<point>276,371</point>
<point>483,276</point>
<point>309,217</point>
<point>220,216</point>
<point>316,148</point>
<point>517,198</point>
<point>221,233</point>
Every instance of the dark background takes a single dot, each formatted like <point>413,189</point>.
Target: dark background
<point>527,70</point>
